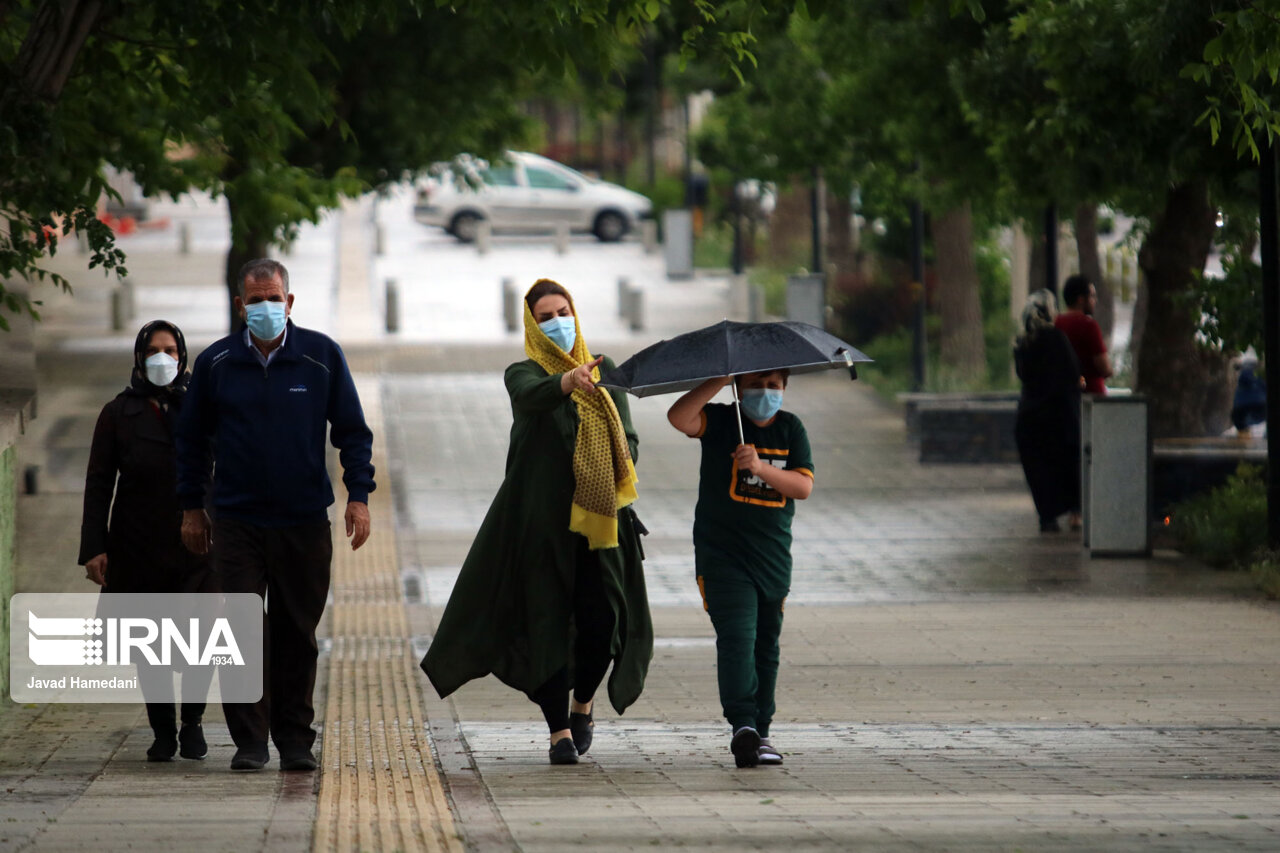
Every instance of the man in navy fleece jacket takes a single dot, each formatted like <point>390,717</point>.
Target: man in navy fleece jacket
<point>264,397</point>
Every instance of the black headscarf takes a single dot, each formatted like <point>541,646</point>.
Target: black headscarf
<point>139,385</point>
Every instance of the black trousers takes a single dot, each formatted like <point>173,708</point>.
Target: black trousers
<point>593,632</point>
<point>290,567</point>
<point>157,682</point>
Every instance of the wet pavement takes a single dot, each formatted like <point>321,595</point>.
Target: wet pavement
<point>951,678</point>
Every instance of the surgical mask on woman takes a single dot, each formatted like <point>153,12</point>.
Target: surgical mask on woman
<point>760,404</point>
<point>563,331</point>
<point>162,369</point>
<point>265,319</point>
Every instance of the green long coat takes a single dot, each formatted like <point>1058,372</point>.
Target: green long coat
<point>511,610</point>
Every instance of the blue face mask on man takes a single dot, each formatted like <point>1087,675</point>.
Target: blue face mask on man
<point>563,331</point>
<point>760,404</point>
<point>265,319</point>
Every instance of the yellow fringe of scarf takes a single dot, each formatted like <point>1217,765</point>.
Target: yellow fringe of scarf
<point>602,466</point>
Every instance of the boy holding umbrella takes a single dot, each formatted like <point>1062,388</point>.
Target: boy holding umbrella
<point>753,471</point>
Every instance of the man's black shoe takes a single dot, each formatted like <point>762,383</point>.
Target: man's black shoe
<point>191,742</point>
<point>162,748</point>
<point>250,758</point>
<point>298,760</point>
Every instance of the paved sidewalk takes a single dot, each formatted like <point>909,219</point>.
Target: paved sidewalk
<point>951,679</point>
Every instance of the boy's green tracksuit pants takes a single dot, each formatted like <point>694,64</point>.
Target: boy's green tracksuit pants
<point>747,628</point>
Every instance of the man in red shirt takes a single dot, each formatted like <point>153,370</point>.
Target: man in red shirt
<point>1077,323</point>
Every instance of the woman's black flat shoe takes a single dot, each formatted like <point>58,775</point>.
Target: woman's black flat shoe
<point>582,726</point>
<point>564,752</point>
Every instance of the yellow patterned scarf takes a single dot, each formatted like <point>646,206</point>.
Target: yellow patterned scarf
<point>602,466</point>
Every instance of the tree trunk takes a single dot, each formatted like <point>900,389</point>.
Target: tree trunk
<point>254,246</point>
<point>839,231</point>
<point>962,348</point>
<point>1177,374</point>
<point>1036,266</point>
<point>1086,227</point>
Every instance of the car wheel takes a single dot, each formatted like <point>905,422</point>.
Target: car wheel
<point>465,227</point>
<point>610,226</point>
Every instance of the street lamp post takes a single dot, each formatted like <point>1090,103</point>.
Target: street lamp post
<point>1269,239</point>
<point>917,285</point>
<point>1051,248</point>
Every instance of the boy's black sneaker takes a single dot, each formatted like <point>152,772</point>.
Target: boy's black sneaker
<point>745,747</point>
<point>768,753</point>
<point>191,742</point>
<point>563,752</point>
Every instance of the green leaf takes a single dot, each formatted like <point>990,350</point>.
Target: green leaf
<point>1213,51</point>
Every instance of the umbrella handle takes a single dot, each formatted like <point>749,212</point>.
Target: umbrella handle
<point>737,407</point>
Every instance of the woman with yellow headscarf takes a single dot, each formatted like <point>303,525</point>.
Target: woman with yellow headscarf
<point>552,591</point>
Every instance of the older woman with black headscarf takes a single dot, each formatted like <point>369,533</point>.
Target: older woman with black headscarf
<point>1048,426</point>
<point>140,549</point>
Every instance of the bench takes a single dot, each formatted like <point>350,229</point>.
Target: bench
<point>1184,467</point>
<point>968,431</point>
<point>912,401</point>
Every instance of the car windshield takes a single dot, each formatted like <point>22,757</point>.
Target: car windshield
<point>561,167</point>
<point>500,175</point>
<point>545,179</point>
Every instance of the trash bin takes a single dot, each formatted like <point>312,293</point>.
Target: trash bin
<point>807,299</point>
<point>677,242</point>
<point>1115,476</point>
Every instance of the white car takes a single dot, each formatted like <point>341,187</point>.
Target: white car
<point>525,192</point>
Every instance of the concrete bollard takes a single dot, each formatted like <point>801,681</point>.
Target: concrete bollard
<point>649,234</point>
<point>755,303</point>
<point>130,304</point>
<point>82,242</point>
<point>624,285</point>
<point>184,238</point>
<point>635,308</point>
<point>392,305</point>
<point>117,309</point>
<point>739,298</point>
<point>562,238</point>
<point>511,314</point>
<point>484,236</point>
<point>30,481</point>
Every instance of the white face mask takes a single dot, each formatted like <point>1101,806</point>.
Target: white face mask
<point>162,369</point>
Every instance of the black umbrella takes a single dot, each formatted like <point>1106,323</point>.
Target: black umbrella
<point>728,349</point>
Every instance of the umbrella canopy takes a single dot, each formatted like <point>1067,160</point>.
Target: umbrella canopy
<point>728,349</point>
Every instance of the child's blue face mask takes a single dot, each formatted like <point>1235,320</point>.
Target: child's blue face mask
<point>760,404</point>
<point>563,331</point>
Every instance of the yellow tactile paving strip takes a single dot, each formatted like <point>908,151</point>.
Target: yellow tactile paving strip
<point>379,787</point>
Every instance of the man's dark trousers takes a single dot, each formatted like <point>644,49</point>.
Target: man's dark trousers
<point>290,567</point>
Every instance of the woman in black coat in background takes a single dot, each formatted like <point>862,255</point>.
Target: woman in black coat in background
<point>1048,425</point>
<point>140,550</point>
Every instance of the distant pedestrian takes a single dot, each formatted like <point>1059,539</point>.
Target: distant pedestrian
<point>1048,424</point>
<point>263,398</point>
<point>553,590</point>
<point>1249,405</point>
<point>1081,298</point>
<point>131,480</point>
<point>742,541</point>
